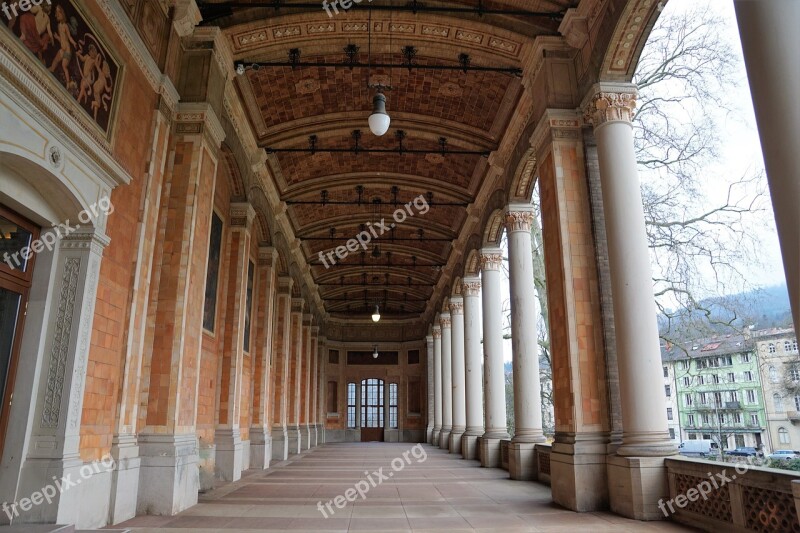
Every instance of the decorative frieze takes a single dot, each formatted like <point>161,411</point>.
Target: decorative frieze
<point>297,305</point>
<point>267,256</point>
<point>242,215</point>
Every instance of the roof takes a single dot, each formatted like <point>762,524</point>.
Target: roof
<point>707,347</point>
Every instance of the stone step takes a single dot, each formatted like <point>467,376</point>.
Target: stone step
<point>37,528</point>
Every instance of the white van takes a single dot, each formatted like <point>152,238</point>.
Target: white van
<point>697,448</point>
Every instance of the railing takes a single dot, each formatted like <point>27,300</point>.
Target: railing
<point>732,497</point>
<point>504,444</point>
<point>542,458</point>
<point>794,416</point>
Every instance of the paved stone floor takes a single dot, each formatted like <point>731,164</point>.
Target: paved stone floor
<point>438,493</point>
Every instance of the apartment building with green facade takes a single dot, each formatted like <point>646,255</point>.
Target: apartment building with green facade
<point>718,393</point>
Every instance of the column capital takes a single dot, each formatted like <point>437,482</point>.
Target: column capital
<point>610,102</point>
<point>444,320</point>
<point>457,305</point>
<point>491,259</point>
<point>437,332</point>
<point>297,305</point>
<point>519,218</point>
<point>471,286</point>
<point>285,284</point>
<point>267,256</point>
<point>429,339</point>
<point>242,215</point>
<point>308,319</point>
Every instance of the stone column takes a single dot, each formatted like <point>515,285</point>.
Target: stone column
<point>447,381</point>
<point>266,288</point>
<point>313,420</point>
<point>459,379</point>
<point>637,472</point>
<point>471,290</point>
<point>280,380</point>
<point>525,344</point>
<point>493,369</point>
<point>430,393</point>
<point>322,409</point>
<point>437,382</point>
<point>770,40</point>
<point>54,448</point>
<point>295,377</point>
<point>227,435</point>
<point>305,385</point>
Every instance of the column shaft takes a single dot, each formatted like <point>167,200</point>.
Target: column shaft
<point>437,383</point>
<point>472,357</point>
<point>458,377</point>
<point>494,374</point>
<point>429,389</point>
<point>447,380</point>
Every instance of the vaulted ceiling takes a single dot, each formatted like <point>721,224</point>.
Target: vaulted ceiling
<point>332,193</point>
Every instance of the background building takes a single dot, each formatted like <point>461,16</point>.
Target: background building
<point>779,366</point>
<point>718,391</point>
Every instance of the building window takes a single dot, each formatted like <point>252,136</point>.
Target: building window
<point>718,399</point>
<point>248,309</point>
<point>771,348</point>
<point>701,380</point>
<point>734,396</point>
<point>797,403</point>
<point>794,374</point>
<point>739,439</point>
<point>726,360</point>
<point>715,379</point>
<point>721,418</point>
<point>690,419</point>
<point>672,433</point>
<point>751,396</point>
<point>754,419</point>
<point>706,421</point>
<point>703,398</point>
<point>737,418</point>
<point>393,405</point>
<point>688,399</point>
<point>745,358</point>
<point>687,381</point>
<point>351,405</point>
<point>666,372</point>
<point>372,406</point>
<point>777,401</point>
<point>669,413</point>
<point>783,436</point>
<point>748,376</point>
<point>682,365</point>
<point>668,390</point>
<point>333,397</point>
<point>794,346</point>
<point>731,377</point>
<point>773,374</point>
<point>212,273</point>
<point>701,364</point>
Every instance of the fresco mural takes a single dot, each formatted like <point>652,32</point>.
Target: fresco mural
<point>60,36</point>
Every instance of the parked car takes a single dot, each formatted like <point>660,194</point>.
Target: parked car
<point>785,455</point>
<point>697,448</point>
<point>743,451</point>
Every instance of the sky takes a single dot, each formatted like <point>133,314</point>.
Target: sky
<point>740,151</point>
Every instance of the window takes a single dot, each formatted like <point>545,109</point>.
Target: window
<point>351,405</point>
<point>731,377</point>
<point>754,419</point>
<point>414,393</point>
<point>715,379</point>
<point>794,374</point>
<point>333,357</point>
<point>717,399</point>
<point>701,364</point>
<point>794,346</point>
<point>751,396</point>
<point>668,390</point>
<point>737,418</point>
<point>748,376</point>
<point>734,397</point>
<point>726,360</point>
<point>771,348</point>
<point>745,358</point>
<point>701,380</point>
<point>706,420</point>
<point>690,419</point>
<point>372,408</point>
<point>721,418</point>
<point>666,372</point>
<point>669,413</point>
<point>739,440</point>
<point>797,403</point>
<point>714,362</point>
<point>672,433</point>
<point>413,357</point>
<point>687,381</point>
<point>703,398</point>
<point>688,399</point>
<point>212,273</point>
<point>248,309</point>
<point>393,405</point>
<point>777,401</point>
<point>783,436</point>
<point>773,374</point>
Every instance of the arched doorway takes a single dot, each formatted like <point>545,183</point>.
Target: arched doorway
<point>372,410</point>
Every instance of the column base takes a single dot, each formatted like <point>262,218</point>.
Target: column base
<point>429,434</point>
<point>469,447</point>
<point>435,436</point>
<point>260,448</point>
<point>444,439</point>
<point>169,479</point>
<point>280,444</point>
<point>636,484</point>
<point>305,438</point>
<point>578,471</point>
<point>315,435</point>
<point>295,440</point>
<point>455,441</point>
<point>207,454</point>
<point>521,464</point>
<point>490,452</point>
<point>124,478</point>
<point>229,458</point>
